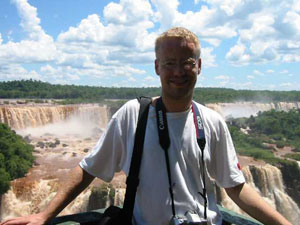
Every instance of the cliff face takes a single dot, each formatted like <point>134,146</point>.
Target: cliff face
<point>246,109</point>
<point>30,196</point>
<point>21,117</point>
<point>291,178</point>
<point>268,181</point>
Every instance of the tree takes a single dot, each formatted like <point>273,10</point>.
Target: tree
<point>15,157</point>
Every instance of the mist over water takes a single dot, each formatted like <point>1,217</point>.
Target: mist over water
<point>78,128</point>
<point>73,126</point>
<point>61,137</point>
<point>247,109</point>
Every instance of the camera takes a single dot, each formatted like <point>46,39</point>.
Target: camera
<point>190,218</point>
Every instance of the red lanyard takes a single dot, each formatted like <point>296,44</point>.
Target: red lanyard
<point>164,141</point>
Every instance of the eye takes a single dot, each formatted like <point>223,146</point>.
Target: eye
<point>169,64</point>
<point>189,64</point>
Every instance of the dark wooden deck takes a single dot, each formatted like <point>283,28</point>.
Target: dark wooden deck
<point>93,217</point>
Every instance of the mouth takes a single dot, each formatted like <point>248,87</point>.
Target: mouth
<point>179,82</point>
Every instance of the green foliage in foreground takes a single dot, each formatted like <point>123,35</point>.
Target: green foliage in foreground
<point>277,128</point>
<point>30,89</point>
<point>15,157</point>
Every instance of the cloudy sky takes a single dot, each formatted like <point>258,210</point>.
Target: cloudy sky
<point>246,44</point>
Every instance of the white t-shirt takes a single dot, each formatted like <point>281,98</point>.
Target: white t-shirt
<point>153,203</point>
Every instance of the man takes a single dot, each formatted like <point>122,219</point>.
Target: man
<point>178,64</point>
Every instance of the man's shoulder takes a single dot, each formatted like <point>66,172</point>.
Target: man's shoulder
<point>209,114</point>
<point>131,107</point>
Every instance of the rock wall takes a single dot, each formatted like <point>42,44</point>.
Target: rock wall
<point>21,117</point>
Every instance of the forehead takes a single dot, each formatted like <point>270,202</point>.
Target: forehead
<point>176,48</point>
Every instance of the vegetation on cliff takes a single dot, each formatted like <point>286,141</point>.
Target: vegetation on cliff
<point>261,136</point>
<point>77,94</point>
<point>266,131</point>
<point>15,157</point>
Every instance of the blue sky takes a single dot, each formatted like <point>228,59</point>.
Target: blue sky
<point>246,44</point>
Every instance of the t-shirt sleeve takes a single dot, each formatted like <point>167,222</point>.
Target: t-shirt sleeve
<point>105,158</point>
<point>225,168</point>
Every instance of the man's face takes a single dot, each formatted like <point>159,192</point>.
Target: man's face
<point>178,67</point>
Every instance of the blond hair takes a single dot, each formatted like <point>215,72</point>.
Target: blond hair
<point>180,33</point>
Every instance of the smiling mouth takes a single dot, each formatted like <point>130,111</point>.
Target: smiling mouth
<point>181,82</point>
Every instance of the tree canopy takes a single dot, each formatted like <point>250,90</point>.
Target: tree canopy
<point>279,128</point>
<point>15,157</point>
<point>42,90</point>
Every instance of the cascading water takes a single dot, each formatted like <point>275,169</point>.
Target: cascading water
<point>247,109</point>
<point>47,123</point>
<point>26,198</point>
<point>267,180</point>
<point>21,117</point>
<point>61,136</point>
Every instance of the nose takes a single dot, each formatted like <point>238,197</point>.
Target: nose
<point>179,70</point>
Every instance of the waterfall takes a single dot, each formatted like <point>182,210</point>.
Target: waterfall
<point>28,197</point>
<point>267,180</point>
<point>21,117</point>
<point>247,109</point>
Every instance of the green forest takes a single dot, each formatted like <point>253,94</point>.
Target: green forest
<point>31,89</point>
<point>266,132</point>
<point>263,135</point>
<point>15,157</point>
<point>258,136</point>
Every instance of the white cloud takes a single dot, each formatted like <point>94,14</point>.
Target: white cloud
<point>38,47</point>
<point>237,55</point>
<point>27,52</point>
<point>224,80</point>
<point>166,12</point>
<point>208,59</point>
<point>126,12</point>
<point>286,84</point>
<point>222,77</point>
<point>131,79</point>
<point>296,6</point>
<point>257,72</point>
<point>250,77</point>
<point>121,40</point>
<point>151,78</point>
<point>269,30</point>
<point>270,71</point>
<point>29,20</point>
<point>291,58</point>
<point>284,72</point>
<point>89,30</point>
<point>17,72</point>
<point>228,6</point>
<point>257,32</point>
<point>293,19</point>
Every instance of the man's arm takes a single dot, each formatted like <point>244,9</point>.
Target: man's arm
<point>76,183</point>
<point>252,203</point>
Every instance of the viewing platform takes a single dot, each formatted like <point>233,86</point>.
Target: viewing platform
<point>93,217</point>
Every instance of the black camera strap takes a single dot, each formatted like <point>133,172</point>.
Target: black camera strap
<point>132,181</point>
<point>164,141</point>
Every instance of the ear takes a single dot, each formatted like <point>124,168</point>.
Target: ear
<point>199,66</point>
<point>156,62</point>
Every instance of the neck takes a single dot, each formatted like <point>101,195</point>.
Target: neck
<point>177,105</point>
